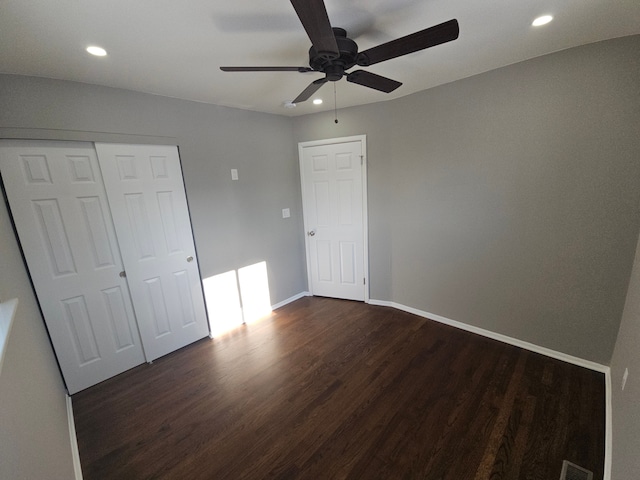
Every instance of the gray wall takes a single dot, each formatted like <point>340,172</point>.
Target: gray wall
<point>509,200</point>
<point>235,223</point>
<point>626,414</point>
<point>34,433</point>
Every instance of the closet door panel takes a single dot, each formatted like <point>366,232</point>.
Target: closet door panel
<point>150,213</point>
<point>61,213</point>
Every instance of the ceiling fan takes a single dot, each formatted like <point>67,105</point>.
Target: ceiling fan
<point>333,53</point>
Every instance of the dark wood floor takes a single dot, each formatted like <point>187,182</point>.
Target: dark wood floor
<point>328,389</point>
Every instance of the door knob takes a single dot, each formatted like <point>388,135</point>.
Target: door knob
<point>189,258</point>
<point>123,274</point>
<point>311,233</point>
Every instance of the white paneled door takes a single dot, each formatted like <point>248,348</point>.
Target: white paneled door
<point>333,203</point>
<point>62,217</point>
<point>107,237</point>
<point>151,217</point>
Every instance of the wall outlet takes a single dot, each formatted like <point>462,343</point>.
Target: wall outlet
<point>624,377</point>
<point>234,174</point>
<point>286,213</point>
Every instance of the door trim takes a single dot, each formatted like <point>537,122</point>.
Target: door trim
<point>365,218</point>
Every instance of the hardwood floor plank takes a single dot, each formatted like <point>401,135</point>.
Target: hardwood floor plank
<point>335,389</point>
<point>499,434</point>
<point>510,459</point>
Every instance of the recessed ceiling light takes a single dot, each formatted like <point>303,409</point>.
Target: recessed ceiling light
<point>543,20</point>
<point>317,101</point>
<point>97,51</point>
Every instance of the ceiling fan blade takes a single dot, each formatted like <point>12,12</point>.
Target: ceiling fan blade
<point>266,69</point>
<point>429,37</point>
<point>310,90</point>
<point>315,20</point>
<point>372,80</point>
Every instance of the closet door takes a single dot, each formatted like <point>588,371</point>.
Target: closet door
<point>149,208</point>
<point>61,213</point>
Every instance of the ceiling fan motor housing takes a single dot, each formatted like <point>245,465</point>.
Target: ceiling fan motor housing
<point>334,68</point>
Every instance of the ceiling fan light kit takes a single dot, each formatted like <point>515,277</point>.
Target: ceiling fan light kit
<point>333,53</point>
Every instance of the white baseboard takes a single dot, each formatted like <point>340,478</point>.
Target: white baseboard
<point>498,336</point>
<point>289,300</point>
<point>77,469</point>
<point>537,349</point>
<point>608,435</point>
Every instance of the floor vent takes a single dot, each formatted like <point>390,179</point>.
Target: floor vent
<point>571,471</point>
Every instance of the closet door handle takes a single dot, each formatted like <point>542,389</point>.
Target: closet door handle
<point>123,274</point>
<point>189,258</point>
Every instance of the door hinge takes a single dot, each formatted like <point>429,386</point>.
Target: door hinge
<point>361,159</point>
<point>364,281</point>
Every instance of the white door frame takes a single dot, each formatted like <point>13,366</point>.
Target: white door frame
<point>365,225</point>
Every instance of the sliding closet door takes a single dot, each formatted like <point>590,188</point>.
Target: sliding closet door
<point>60,209</point>
<point>149,208</point>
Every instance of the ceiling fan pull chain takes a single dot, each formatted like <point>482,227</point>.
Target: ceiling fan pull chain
<point>335,103</point>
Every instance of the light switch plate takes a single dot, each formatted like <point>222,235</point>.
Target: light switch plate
<point>286,213</point>
<point>234,174</point>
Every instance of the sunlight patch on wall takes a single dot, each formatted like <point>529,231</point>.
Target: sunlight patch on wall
<point>237,297</point>
<point>254,288</point>
<point>223,302</point>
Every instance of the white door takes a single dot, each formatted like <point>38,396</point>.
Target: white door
<point>62,217</point>
<point>150,213</point>
<point>333,197</point>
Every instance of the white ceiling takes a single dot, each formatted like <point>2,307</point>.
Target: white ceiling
<point>174,48</point>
